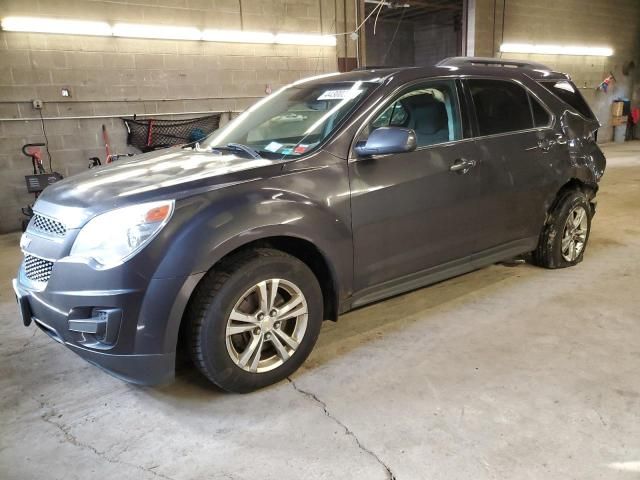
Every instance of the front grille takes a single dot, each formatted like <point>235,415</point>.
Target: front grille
<point>47,225</point>
<point>37,269</point>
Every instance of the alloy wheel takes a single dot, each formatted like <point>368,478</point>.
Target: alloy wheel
<point>574,236</point>
<point>266,325</point>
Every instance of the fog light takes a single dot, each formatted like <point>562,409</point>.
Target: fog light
<point>103,324</point>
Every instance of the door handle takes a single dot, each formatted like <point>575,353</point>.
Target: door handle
<point>462,165</point>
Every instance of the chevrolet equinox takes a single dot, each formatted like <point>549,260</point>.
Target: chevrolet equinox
<point>332,193</point>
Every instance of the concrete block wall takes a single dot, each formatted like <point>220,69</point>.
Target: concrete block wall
<point>614,23</point>
<point>111,77</point>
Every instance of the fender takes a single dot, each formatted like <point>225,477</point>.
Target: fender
<point>206,228</point>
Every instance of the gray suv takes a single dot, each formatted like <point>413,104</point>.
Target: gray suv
<point>332,193</point>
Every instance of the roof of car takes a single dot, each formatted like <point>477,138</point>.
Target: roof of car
<point>458,65</point>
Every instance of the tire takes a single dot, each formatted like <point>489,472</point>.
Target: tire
<point>235,286</point>
<point>552,250</point>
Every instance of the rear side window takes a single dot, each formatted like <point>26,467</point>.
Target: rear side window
<point>568,93</point>
<point>500,106</point>
<point>541,117</point>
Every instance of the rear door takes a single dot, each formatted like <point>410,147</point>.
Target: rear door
<point>515,139</point>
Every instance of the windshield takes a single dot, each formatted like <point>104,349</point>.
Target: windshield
<point>292,121</point>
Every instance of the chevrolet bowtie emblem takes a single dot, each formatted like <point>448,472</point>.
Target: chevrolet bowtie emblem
<point>24,241</point>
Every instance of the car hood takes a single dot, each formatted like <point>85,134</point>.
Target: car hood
<point>171,173</point>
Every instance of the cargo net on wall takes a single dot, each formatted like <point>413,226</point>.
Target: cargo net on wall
<point>152,134</point>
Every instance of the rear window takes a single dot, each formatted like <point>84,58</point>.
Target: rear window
<point>569,93</point>
<point>501,106</point>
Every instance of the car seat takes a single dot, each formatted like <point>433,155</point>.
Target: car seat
<point>429,119</point>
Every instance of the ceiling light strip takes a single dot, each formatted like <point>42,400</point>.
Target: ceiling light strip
<point>542,49</point>
<point>305,39</point>
<point>210,35</point>
<point>54,25</point>
<point>165,32</point>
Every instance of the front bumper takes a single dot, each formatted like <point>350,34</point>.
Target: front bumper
<point>151,369</point>
<point>142,349</point>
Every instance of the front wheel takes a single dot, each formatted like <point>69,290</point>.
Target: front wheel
<point>565,235</point>
<point>254,319</point>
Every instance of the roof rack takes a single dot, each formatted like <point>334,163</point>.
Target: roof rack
<point>488,61</point>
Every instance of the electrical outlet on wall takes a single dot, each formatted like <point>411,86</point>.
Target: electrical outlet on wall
<point>37,104</point>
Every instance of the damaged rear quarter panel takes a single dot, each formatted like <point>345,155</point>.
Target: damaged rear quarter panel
<point>585,156</point>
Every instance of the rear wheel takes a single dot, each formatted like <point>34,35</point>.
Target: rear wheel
<point>254,319</point>
<point>564,238</point>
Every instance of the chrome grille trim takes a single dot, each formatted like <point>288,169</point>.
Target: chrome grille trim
<point>37,269</point>
<point>47,225</point>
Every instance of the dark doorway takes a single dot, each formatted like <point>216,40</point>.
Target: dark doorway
<point>412,32</point>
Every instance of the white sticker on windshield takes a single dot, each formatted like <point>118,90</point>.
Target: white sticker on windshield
<point>339,94</point>
<point>273,147</point>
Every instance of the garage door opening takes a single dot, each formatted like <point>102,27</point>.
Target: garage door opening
<point>412,32</point>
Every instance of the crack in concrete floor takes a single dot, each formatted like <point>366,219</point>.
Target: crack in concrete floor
<point>347,430</point>
<point>73,440</point>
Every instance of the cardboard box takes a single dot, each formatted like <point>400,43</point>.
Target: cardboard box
<point>616,109</point>
<point>619,120</point>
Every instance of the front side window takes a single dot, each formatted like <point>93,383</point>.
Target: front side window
<point>429,109</point>
<point>292,121</point>
<point>393,116</point>
<point>501,106</point>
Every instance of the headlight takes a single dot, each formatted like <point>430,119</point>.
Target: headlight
<point>113,237</point>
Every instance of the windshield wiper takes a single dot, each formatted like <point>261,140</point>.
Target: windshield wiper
<point>238,147</point>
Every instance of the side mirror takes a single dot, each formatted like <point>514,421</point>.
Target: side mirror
<point>385,140</point>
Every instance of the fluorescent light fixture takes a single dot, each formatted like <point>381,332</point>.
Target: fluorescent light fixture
<point>240,36</point>
<point>305,39</point>
<point>556,49</point>
<point>55,25</point>
<point>211,35</point>
<point>166,32</point>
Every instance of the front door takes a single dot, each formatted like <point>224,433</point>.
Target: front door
<point>416,210</point>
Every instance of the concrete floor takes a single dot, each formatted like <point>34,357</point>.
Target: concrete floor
<point>505,373</point>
